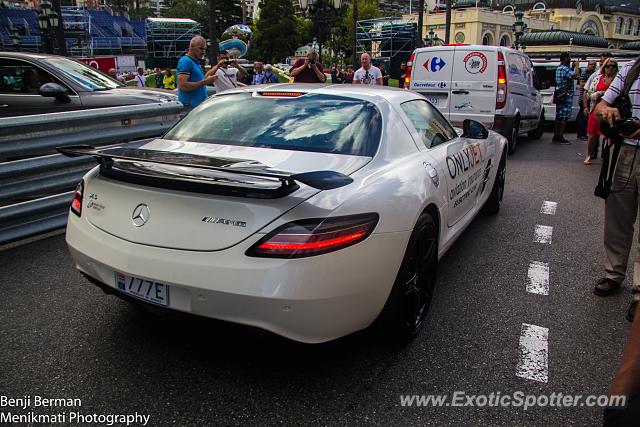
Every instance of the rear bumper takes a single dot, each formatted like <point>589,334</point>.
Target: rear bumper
<point>311,300</point>
<point>504,125</point>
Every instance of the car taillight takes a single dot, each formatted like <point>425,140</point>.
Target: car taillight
<point>407,77</point>
<point>311,237</point>
<point>501,93</point>
<point>76,205</point>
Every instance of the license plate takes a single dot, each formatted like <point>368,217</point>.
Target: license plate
<point>146,290</point>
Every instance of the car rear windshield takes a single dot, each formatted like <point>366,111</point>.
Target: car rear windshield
<point>546,73</point>
<point>312,122</point>
<point>86,76</point>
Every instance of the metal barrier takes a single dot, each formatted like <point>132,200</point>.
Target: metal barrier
<point>36,185</point>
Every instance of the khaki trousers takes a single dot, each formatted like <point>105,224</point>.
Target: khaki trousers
<point>621,208</point>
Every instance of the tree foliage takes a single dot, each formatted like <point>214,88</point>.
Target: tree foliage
<point>190,9</point>
<point>277,31</point>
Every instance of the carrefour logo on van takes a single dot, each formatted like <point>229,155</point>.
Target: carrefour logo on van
<point>434,64</point>
<point>475,63</point>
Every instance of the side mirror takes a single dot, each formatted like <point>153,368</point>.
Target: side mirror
<point>474,130</point>
<point>545,85</point>
<point>54,90</point>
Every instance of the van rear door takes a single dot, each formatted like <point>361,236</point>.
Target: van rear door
<point>473,91</point>
<point>431,76</point>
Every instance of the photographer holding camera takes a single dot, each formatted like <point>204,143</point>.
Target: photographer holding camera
<point>308,70</point>
<point>619,110</point>
<point>227,78</point>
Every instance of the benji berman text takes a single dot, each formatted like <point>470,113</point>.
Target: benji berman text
<point>37,401</point>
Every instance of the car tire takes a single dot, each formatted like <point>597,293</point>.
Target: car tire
<point>403,314</point>
<point>539,130</point>
<point>513,140</point>
<point>493,203</point>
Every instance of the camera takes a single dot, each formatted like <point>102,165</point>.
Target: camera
<point>227,62</point>
<point>312,61</point>
<point>626,126</point>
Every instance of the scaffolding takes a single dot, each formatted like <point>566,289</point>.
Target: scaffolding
<point>168,39</point>
<point>77,31</point>
<point>386,38</point>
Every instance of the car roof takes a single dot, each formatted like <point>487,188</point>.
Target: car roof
<point>372,93</point>
<point>28,55</point>
<point>480,47</point>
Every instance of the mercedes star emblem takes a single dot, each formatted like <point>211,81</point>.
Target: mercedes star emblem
<point>141,215</point>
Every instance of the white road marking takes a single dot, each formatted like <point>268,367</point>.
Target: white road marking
<point>543,234</point>
<point>533,363</point>
<point>538,278</point>
<point>549,208</point>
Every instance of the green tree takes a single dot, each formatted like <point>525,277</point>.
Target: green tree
<point>367,9</point>
<point>277,31</point>
<point>190,9</point>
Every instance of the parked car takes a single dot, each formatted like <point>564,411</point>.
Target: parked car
<point>546,72</point>
<point>32,83</point>
<point>302,209</point>
<point>494,85</point>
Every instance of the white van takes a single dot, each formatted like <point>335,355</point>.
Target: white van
<point>494,85</point>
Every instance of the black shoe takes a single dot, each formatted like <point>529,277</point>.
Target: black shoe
<point>564,142</point>
<point>631,311</point>
<point>606,287</point>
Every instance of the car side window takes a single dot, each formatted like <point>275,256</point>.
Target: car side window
<point>432,127</point>
<point>19,77</point>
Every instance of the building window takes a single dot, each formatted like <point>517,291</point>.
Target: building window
<point>636,32</point>
<point>508,9</point>
<point>627,26</point>
<point>487,39</point>
<point>505,40</point>
<point>619,25</point>
<point>539,6</point>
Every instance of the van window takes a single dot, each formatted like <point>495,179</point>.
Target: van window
<point>432,127</point>
<point>517,68</point>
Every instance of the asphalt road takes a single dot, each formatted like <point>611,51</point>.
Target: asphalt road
<point>63,338</point>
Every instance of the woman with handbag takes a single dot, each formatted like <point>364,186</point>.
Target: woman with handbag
<point>599,86</point>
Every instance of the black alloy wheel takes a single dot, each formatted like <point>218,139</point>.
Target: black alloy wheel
<point>409,300</point>
<point>493,203</point>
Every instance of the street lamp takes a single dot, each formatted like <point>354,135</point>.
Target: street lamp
<point>49,20</point>
<point>431,40</point>
<point>320,12</point>
<point>519,28</point>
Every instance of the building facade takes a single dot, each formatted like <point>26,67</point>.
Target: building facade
<point>492,23</point>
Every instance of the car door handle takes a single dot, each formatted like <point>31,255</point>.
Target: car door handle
<point>3,105</point>
<point>460,92</point>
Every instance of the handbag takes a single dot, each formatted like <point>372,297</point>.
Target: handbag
<point>560,95</point>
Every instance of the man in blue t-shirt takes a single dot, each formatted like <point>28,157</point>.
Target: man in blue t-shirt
<point>192,80</point>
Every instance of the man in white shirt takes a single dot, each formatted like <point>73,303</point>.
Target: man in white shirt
<point>367,74</point>
<point>141,79</point>
<point>227,76</point>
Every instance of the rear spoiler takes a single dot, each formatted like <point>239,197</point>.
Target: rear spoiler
<point>109,166</point>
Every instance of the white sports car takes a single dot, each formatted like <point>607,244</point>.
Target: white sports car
<point>310,211</point>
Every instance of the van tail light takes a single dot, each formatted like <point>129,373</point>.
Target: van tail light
<point>76,205</point>
<point>407,77</point>
<point>310,237</point>
<point>501,93</point>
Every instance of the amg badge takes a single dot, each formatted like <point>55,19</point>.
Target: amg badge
<point>224,221</point>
